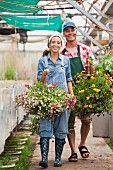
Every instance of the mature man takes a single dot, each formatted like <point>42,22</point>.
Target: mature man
<point>78,54</point>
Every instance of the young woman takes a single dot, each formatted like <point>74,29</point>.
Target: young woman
<point>54,68</point>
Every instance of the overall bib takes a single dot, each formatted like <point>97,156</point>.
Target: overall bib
<point>76,67</point>
<point>76,64</point>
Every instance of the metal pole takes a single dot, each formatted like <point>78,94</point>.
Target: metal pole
<point>90,16</point>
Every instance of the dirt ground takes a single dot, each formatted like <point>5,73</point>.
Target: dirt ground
<point>101,156</point>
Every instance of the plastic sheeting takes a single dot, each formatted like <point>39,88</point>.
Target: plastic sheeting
<point>35,23</point>
<point>19,6</point>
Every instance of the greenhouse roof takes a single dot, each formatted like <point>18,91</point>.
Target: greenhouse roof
<point>50,15</point>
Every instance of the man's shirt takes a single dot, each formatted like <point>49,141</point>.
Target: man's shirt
<point>85,53</point>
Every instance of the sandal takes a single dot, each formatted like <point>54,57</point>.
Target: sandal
<point>84,150</point>
<point>73,158</point>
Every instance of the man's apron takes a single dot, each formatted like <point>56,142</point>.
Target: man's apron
<point>76,64</point>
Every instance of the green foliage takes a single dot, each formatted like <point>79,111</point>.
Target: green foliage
<point>106,64</point>
<point>110,143</point>
<point>34,124</point>
<point>43,100</point>
<point>10,74</point>
<point>93,92</point>
<point>90,61</point>
<point>7,158</point>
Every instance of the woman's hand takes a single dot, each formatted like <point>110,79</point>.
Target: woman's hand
<point>44,74</point>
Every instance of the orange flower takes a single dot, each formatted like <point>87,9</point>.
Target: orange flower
<point>111,51</point>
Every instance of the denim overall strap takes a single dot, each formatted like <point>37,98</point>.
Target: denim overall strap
<point>76,64</point>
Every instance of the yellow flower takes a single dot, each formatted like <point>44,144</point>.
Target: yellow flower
<point>81,91</point>
<point>92,77</point>
<point>85,106</point>
<point>100,72</point>
<point>88,97</point>
<point>93,85</point>
<point>111,89</point>
<point>97,90</point>
<point>92,92</point>
<point>90,106</point>
<point>88,75</point>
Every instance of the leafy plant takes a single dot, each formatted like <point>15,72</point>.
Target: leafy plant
<point>43,100</point>
<point>10,74</point>
<point>34,124</point>
<point>106,64</point>
<point>110,142</point>
<point>94,93</point>
<point>90,61</point>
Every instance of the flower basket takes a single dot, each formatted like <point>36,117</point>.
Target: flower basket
<point>43,100</point>
<point>94,93</point>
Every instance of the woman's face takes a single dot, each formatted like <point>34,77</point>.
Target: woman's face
<point>55,44</point>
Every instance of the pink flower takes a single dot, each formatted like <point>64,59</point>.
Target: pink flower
<point>27,86</point>
<point>64,97</point>
<point>50,86</point>
<point>67,103</point>
<point>74,98</point>
<point>22,97</point>
<point>22,103</point>
<point>44,85</point>
<point>34,83</point>
<point>55,84</point>
<point>53,106</point>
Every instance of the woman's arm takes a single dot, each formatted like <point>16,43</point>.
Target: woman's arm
<point>70,89</point>
<point>42,72</point>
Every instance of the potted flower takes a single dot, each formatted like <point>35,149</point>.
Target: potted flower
<point>43,100</point>
<point>94,93</point>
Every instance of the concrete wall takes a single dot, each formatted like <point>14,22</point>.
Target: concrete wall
<point>22,60</point>
<point>24,64</point>
<point>9,116</point>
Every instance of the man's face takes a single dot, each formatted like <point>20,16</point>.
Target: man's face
<point>70,33</point>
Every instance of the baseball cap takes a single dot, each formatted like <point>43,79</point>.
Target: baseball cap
<point>69,24</point>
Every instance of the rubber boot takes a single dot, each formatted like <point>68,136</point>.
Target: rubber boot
<point>44,147</point>
<point>59,143</point>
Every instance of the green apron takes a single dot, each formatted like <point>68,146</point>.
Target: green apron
<point>76,64</point>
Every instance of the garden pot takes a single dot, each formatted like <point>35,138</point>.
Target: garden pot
<point>100,125</point>
<point>111,125</point>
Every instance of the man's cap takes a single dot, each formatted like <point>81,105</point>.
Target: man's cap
<point>69,24</point>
